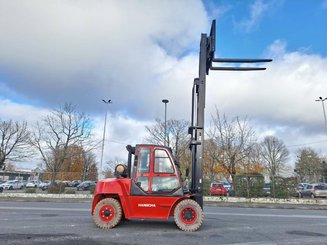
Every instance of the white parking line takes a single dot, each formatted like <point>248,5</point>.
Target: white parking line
<point>271,215</point>
<point>206,213</point>
<point>47,209</point>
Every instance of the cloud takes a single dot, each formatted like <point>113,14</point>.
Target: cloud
<point>120,132</point>
<point>138,53</point>
<point>132,52</point>
<point>257,10</point>
<point>10,110</point>
<point>94,50</point>
<point>281,100</point>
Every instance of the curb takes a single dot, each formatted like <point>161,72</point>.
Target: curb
<point>267,205</point>
<point>288,201</point>
<point>32,197</point>
<point>50,196</point>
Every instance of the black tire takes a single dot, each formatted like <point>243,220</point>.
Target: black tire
<point>107,213</point>
<point>188,215</point>
<point>11,188</point>
<point>1,189</point>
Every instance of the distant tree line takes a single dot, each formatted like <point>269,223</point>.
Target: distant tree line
<point>231,148</point>
<point>62,139</point>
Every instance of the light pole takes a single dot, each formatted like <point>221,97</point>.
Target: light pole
<point>323,108</point>
<point>165,101</point>
<point>103,139</point>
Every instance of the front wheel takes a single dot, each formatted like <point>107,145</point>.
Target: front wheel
<point>107,213</point>
<point>188,215</point>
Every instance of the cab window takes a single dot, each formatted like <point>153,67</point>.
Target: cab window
<point>164,183</point>
<point>143,182</point>
<point>162,163</point>
<point>143,169</point>
<point>144,164</point>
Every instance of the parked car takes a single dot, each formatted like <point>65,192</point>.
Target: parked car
<point>217,189</point>
<point>67,183</point>
<point>75,183</point>
<point>314,190</point>
<point>85,186</point>
<point>1,182</point>
<point>44,185</point>
<point>227,185</point>
<point>24,182</point>
<point>33,184</point>
<point>300,188</point>
<point>12,185</point>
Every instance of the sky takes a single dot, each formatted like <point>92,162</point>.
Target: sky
<point>137,53</point>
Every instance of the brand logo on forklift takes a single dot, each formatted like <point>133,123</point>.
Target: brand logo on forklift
<point>146,205</point>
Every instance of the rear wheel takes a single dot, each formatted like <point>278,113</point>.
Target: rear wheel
<point>107,213</point>
<point>188,215</point>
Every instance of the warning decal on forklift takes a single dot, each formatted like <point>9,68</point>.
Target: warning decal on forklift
<point>146,205</point>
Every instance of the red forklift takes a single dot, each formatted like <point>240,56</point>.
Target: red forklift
<point>150,186</point>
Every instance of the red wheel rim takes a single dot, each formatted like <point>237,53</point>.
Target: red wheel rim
<point>106,213</point>
<point>188,215</point>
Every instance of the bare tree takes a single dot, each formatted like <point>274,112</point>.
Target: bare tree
<point>177,137</point>
<point>156,133</point>
<point>234,139</point>
<point>274,154</point>
<point>211,159</point>
<point>59,130</point>
<point>10,167</point>
<point>253,163</point>
<point>308,165</point>
<point>90,170</point>
<point>14,138</point>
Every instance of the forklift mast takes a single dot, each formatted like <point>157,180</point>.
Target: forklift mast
<point>196,130</point>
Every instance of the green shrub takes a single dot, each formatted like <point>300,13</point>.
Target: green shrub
<point>283,187</point>
<point>92,189</point>
<point>30,190</point>
<point>70,191</point>
<point>206,187</point>
<point>248,185</point>
<point>56,188</point>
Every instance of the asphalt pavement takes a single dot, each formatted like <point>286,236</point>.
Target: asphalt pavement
<point>71,223</point>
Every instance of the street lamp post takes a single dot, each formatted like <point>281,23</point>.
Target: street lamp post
<point>103,139</point>
<point>323,108</point>
<point>165,101</point>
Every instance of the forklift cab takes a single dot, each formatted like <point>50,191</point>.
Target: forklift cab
<point>154,171</point>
